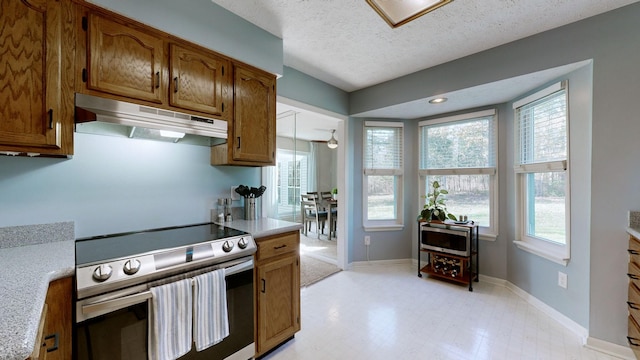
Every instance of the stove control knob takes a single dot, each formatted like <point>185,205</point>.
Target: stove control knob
<point>131,266</point>
<point>102,273</point>
<point>242,243</point>
<point>227,246</point>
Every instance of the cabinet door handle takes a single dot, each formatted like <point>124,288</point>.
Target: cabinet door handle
<point>634,306</point>
<point>175,84</point>
<point>56,341</point>
<point>280,247</point>
<point>238,142</point>
<point>157,79</point>
<point>633,252</point>
<point>50,118</point>
<point>264,286</point>
<point>633,341</point>
<point>633,276</point>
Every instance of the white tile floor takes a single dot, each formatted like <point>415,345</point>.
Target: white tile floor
<point>387,312</point>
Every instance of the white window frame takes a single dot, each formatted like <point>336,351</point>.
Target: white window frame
<point>488,232</point>
<point>558,253</point>
<point>398,222</point>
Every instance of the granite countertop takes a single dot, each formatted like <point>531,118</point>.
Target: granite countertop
<point>263,227</point>
<point>31,257</point>
<point>23,285</point>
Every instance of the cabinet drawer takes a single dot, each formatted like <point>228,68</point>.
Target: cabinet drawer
<point>634,302</point>
<point>633,336</point>
<point>634,250</point>
<point>634,274</point>
<point>281,244</point>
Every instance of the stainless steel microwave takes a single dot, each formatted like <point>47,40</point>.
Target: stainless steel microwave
<point>454,240</point>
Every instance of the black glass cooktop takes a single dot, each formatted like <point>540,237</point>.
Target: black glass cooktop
<point>103,248</point>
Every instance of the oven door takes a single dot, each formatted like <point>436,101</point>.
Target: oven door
<point>116,327</point>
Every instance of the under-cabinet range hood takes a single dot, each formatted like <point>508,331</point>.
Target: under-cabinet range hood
<point>96,115</point>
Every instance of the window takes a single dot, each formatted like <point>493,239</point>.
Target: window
<point>460,153</point>
<point>383,172</point>
<point>541,168</point>
<point>289,181</point>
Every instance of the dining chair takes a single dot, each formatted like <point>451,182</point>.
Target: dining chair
<point>331,206</point>
<point>311,213</point>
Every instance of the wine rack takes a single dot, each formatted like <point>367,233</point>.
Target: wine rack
<point>443,265</point>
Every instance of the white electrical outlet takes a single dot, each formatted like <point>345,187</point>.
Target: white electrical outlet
<point>562,279</point>
<point>367,240</point>
<point>234,194</point>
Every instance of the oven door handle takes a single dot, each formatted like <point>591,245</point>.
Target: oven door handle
<point>126,301</point>
<point>116,304</point>
<point>239,268</point>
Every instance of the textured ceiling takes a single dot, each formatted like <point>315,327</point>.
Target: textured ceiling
<point>347,44</point>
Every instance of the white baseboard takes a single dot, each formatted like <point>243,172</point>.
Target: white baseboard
<point>380,262</point>
<point>608,348</point>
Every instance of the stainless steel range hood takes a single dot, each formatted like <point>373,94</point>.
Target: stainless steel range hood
<point>102,116</point>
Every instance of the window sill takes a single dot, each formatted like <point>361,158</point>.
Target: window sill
<point>488,237</point>
<point>384,228</point>
<point>546,253</point>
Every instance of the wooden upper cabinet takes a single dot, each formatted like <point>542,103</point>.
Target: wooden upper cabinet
<point>36,76</point>
<point>123,60</point>
<point>254,125</point>
<point>252,134</point>
<point>198,81</point>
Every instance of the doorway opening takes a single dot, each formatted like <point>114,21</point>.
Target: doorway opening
<point>306,164</point>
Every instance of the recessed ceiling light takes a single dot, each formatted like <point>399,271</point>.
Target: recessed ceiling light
<point>439,100</point>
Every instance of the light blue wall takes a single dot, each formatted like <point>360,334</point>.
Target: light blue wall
<point>532,273</point>
<point>116,184</point>
<point>205,23</point>
<point>610,40</point>
<point>301,87</point>
<point>385,245</point>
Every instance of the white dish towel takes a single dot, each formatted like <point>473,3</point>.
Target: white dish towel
<point>170,320</point>
<point>211,321</point>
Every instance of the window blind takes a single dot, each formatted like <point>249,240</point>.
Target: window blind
<point>542,130</point>
<point>383,144</point>
<point>459,144</point>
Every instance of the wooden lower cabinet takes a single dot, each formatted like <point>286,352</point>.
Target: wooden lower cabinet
<point>277,290</point>
<point>633,296</point>
<point>53,340</point>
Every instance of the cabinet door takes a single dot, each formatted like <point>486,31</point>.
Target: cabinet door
<point>278,288</point>
<point>198,81</point>
<point>123,60</point>
<point>254,124</point>
<point>57,331</point>
<point>34,76</point>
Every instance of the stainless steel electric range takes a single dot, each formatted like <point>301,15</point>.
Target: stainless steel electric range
<point>115,272</point>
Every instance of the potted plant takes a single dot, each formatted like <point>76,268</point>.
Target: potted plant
<point>334,193</point>
<point>435,208</point>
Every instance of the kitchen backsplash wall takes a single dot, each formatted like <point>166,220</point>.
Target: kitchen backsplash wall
<point>116,184</point>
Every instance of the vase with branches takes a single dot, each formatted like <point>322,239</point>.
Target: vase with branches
<point>435,208</point>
